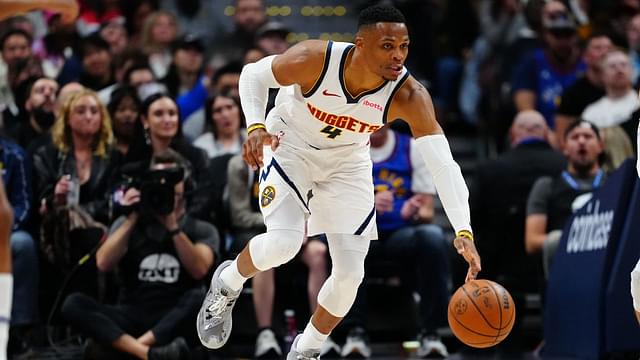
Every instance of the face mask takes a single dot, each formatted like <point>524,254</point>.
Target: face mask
<point>43,118</point>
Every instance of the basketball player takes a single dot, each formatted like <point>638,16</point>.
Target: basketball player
<point>332,96</point>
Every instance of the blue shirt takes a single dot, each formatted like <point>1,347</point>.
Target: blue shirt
<point>536,73</point>
<point>16,174</point>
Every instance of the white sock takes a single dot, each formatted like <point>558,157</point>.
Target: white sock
<point>311,338</point>
<point>6,293</point>
<point>231,276</point>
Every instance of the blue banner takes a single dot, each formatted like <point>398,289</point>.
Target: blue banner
<point>622,330</point>
<point>574,323</point>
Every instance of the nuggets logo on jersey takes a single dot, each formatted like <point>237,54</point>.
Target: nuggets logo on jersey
<point>341,121</point>
<point>268,194</point>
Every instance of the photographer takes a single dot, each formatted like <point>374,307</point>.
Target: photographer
<point>161,254</point>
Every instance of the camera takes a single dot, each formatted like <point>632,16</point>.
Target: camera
<point>157,193</point>
<point>157,188</point>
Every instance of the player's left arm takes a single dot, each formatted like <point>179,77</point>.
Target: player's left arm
<point>412,103</point>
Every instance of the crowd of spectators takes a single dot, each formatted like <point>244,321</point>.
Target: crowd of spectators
<point>93,112</point>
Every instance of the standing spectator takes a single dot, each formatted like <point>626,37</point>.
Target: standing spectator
<point>223,134</point>
<point>16,175</point>
<point>615,109</point>
<point>587,89</point>
<point>404,212</point>
<point>553,199</point>
<point>546,72</point>
<point>161,258</point>
<point>247,221</point>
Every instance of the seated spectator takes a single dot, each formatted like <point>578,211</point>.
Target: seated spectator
<point>15,45</point>
<point>553,199</point>
<point>614,109</point>
<point>115,33</point>
<point>404,210</point>
<point>124,109</point>
<point>97,63</point>
<point>38,115</point>
<point>16,175</point>
<point>159,32</point>
<point>63,95</point>
<point>72,176</point>
<point>223,130</point>
<point>271,38</point>
<point>498,208</point>
<point>247,221</point>
<point>161,257</point>
<point>546,72</point>
<point>159,130</point>
<point>587,89</point>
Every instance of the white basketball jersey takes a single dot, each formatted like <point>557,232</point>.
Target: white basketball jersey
<point>328,115</point>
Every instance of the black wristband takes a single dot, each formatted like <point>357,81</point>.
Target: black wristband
<point>175,231</point>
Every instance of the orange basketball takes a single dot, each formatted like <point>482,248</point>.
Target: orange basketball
<point>481,313</point>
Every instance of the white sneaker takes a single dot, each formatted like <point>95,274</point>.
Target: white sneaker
<point>267,345</point>
<point>294,354</point>
<point>432,347</point>
<point>329,349</point>
<point>214,318</point>
<point>357,345</point>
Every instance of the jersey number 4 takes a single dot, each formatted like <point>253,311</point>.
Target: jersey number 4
<point>331,131</point>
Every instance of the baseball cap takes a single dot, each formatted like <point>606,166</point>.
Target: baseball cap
<point>273,28</point>
<point>189,42</point>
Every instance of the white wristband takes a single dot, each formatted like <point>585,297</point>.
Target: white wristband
<point>255,81</point>
<point>635,286</point>
<point>448,179</point>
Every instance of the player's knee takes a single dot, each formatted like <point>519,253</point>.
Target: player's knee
<point>348,279</point>
<point>275,248</point>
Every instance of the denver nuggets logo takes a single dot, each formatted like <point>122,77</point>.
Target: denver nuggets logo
<point>268,194</point>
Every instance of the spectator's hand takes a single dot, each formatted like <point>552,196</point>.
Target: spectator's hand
<point>252,147</point>
<point>130,197</point>
<point>384,201</point>
<point>170,221</point>
<point>411,207</point>
<point>62,186</point>
<point>467,249</point>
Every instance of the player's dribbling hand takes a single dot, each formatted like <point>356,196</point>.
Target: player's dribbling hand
<point>467,249</point>
<point>253,146</point>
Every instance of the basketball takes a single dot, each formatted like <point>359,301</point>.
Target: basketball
<point>481,313</point>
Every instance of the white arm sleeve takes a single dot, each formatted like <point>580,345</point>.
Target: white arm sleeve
<point>255,81</point>
<point>635,286</point>
<point>447,176</point>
